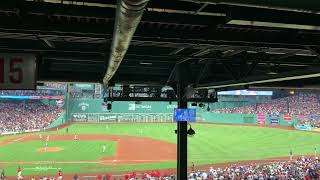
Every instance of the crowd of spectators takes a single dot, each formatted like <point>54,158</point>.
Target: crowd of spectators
<point>240,110</point>
<point>26,115</point>
<point>304,104</point>
<point>301,104</point>
<point>39,92</point>
<point>302,169</point>
<point>299,169</point>
<point>276,106</point>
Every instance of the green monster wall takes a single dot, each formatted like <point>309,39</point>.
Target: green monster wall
<point>95,106</point>
<point>92,110</point>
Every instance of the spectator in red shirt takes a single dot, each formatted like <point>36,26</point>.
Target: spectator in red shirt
<point>99,177</point>
<point>157,174</point>
<point>133,175</point>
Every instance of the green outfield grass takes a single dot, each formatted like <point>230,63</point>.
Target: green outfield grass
<point>72,151</point>
<point>5,137</point>
<point>211,144</point>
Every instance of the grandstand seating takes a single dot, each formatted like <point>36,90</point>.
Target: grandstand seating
<point>26,115</point>
<point>301,168</point>
<point>39,92</point>
<point>302,104</point>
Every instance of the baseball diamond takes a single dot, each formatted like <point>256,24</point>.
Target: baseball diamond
<point>78,135</point>
<point>129,150</point>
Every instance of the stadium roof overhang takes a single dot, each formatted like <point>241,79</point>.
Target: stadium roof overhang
<point>222,43</point>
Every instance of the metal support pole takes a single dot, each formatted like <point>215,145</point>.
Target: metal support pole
<point>182,163</point>
<point>67,104</point>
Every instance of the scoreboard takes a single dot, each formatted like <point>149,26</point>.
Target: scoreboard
<point>17,71</point>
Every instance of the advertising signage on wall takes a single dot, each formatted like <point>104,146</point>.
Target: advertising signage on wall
<point>133,107</point>
<point>30,97</point>
<point>287,117</point>
<point>107,118</point>
<point>261,119</point>
<point>274,119</point>
<point>246,93</point>
<point>314,117</point>
<point>302,117</point>
<point>80,117</point>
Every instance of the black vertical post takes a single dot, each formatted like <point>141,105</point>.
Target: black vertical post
<point>67,104</point>
<point>182,163</point>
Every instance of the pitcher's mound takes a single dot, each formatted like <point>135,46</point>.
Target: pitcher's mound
<point>49,149</point>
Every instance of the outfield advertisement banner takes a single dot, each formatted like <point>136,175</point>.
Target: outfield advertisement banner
<point>287,117</point>
<point>303,117</point>
<point>274,119</point>
<point>261,119</point>
<point>121,117</point>
<point>314,117</point>
<point>18,132</point>
<point>93,117</point>
<point>303,127</point>
<point>107,118</point>
<point>79,117</point>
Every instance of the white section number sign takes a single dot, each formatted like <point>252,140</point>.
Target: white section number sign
<point>17,71</point>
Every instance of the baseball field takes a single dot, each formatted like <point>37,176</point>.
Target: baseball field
<point>142,146</point>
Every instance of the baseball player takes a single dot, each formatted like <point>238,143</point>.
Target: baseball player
<point>19,173</point>
<point>59,174</point>
<point>75,137</point>
<point>2,175</point>
<point>46,146</point>
<point>104,148</point>
<point>40,136</point>
<point>48,137</point>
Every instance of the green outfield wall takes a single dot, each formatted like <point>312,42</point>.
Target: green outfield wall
<point>96,106</point>
<point>94,110</point>
<point>61,119</point>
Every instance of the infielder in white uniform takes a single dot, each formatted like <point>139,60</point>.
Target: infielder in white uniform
<point>104,148</point>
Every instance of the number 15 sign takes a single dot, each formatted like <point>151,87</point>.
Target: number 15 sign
<point>17,71</point>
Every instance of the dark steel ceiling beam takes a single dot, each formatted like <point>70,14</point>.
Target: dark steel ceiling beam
<point>311,7</point>
<point>201,8</point>
<point>304,73</point>
<point>202,71</point>
<point>150,9</point>
<point>242,39</point>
